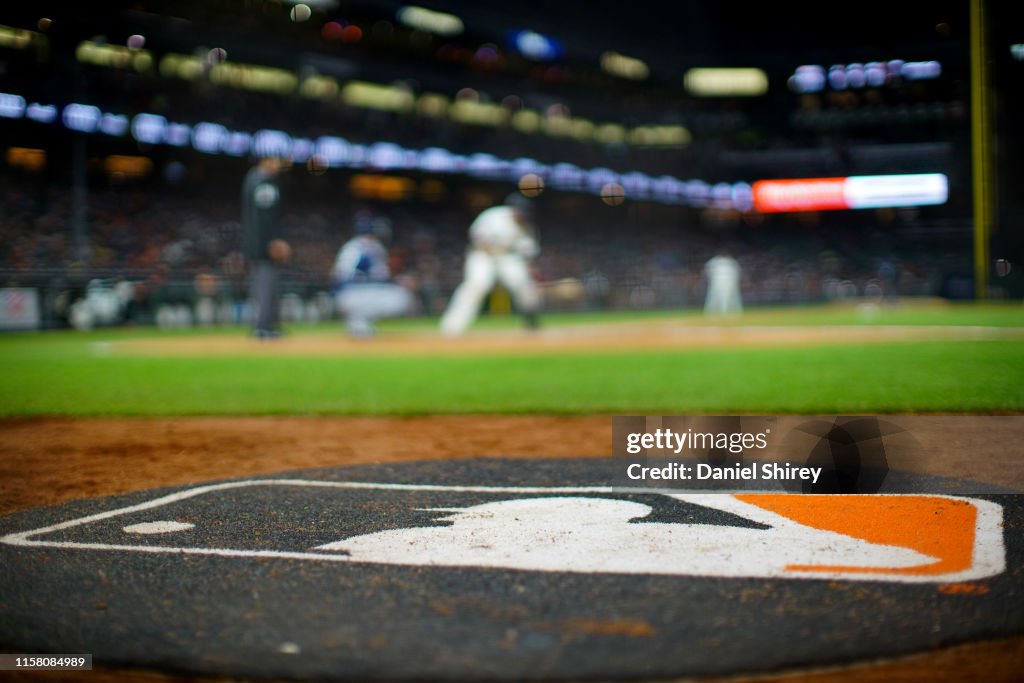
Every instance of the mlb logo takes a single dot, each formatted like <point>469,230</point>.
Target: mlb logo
<point>916,538</point>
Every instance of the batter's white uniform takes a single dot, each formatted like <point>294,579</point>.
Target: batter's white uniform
<point>501,247</point>
<point>723,273</point>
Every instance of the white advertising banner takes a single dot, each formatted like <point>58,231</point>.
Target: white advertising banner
<point>19,309</point>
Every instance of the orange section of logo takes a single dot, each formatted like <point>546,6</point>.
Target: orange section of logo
<point>943,528</point>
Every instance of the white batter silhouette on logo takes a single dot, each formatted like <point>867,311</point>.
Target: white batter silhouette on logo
<point>582,534</point>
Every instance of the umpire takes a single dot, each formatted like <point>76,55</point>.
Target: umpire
<point>264,249</point>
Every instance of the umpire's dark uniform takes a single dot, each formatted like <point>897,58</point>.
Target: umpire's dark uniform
<point>261,223</point>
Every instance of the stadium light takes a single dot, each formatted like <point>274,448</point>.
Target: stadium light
<point>303,150</point>
<point>178,134</point>
<point>637,185</point>
<point>12,106</point>
<point>386,155</point>
<point>236,144</point>
<point>254,77</point>
<point>272,143</point>
<point>483,165</point>
<point>149,128</point>
<point>526,121</point>
<point>332,151</point>
<point>536,46</point>
<point>714,82</point>
<point>17,38</point>
<point>854,192</point>
<point>28,158</point>
<point>125,165</point>
<point>811,78</point>
<point>624,67</point>
<point>41,113</point>
<point>478,113</point>
<point>423,19</point>
<point>801,194</point>
<point>185,67</point>
<point>319,87</point>
<point>610,134</point>
<point>373,96</point>
<point>208,137</point>
<point>567,176</point>
<point>113,56</point>
<point>439,160</point>
<point>114,125</point>
<point>83,118</point>
<point>432,105</point>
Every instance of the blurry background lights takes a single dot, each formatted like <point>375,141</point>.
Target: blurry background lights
<point>432,105</point>
<point>332,30</point>
<point>29,159</point>
<point>530,176</point>
<point>531,185</point>
<point>12,106</point>
<point>316,166</point>
<point>115,56</point>
<point>526,121</point>
<point>613,194</point>
<point>808,78</point>
<point>127,166</point>
<point>300,12</point>
<point>536,46</point>
<point>624,67</point>
<point>43,113</point>
<point>373,96</point>
<point>83,118</point>
<point>811,78</point>
<point>114,124</point>
<point>486,55</point>
<point>438,23</point>
<point>351,34</point>
<point>216,55</point>
<point>17,38</point>
<point>714,82</point>
<point>478,113</point>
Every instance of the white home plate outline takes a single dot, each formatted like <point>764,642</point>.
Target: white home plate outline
<point>987,556</point>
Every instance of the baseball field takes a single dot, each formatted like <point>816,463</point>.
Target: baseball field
<point>116,411</point>
<point>909,358</point>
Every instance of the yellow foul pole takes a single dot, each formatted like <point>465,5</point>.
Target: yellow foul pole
<point>981,152</point>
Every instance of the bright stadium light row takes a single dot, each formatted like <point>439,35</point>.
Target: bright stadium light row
<point>336,152</point>
<point>811,78</point>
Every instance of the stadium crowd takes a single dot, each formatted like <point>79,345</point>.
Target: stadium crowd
<point>626,257</point>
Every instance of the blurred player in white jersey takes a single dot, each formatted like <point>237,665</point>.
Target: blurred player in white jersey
<point>363,288</point>
<point>502,242</point>
<point>723,298</point>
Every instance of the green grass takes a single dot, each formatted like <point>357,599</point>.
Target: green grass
<point>61,373</point>
<point>932,313</point>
